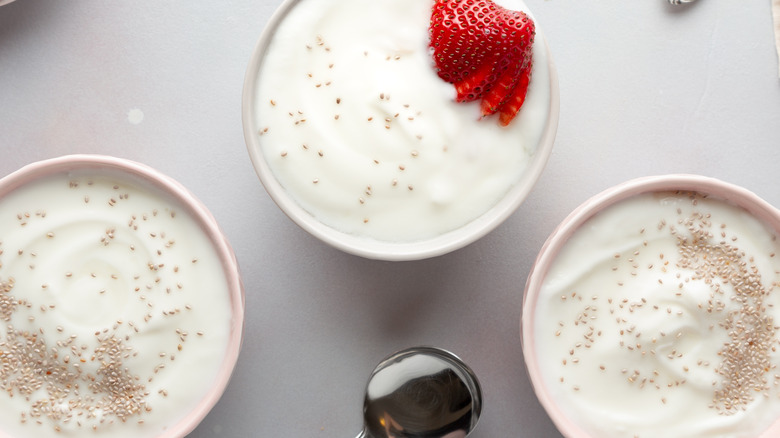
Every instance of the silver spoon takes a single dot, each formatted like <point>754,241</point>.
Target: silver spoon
<point>421,392</point>
<point>680,2</point>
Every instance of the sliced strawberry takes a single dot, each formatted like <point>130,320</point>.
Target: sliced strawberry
<point>503,88</point>
<point>511,107</point>
<point>457,53</point>
<point>476,84</point>
<point>481,48</point>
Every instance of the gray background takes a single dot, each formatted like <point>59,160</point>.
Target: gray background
<point>646,88</point>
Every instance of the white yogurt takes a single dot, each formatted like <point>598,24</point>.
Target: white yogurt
<point>116,308</point>
<point>639,334</point>
<point>361,132</point>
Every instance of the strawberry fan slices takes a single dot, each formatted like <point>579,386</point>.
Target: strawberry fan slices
<point>485,51</point>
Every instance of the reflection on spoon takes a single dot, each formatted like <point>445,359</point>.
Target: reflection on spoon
<point>680,2</point>
<point>421,392</point>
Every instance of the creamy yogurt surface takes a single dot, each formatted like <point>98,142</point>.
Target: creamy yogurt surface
<point>115,306</point>
<point>361,132</point>
<point>659,318</point>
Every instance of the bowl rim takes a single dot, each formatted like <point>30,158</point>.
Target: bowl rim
<point>383,250</point>
<point>731,193</point>
<point>202,216</point>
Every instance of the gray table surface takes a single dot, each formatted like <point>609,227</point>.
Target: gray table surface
<point>646,88</point>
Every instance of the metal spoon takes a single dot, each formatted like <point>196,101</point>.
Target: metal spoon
<point>680,2</point>
<point>421,392</point>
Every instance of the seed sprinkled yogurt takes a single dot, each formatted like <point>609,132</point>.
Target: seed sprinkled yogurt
<point>115,307</point>
<point>659,318</point>
<point>360,131</point>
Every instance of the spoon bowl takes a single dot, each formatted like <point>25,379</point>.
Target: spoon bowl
<point>421,392</point>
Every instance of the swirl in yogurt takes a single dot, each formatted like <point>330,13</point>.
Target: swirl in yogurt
<point>115,304</point>
<point>659,318</point>
<point>361,132</point>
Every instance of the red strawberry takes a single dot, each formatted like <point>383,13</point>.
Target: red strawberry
<point>503,87</point>
<point>474,85</point>
<point>484,50</point>
<point>512,106</point>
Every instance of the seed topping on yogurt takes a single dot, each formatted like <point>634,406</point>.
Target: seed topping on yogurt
<point>666,307</point>
<point>103,283</point>
<point>752,333</point>
<point>359,130</point>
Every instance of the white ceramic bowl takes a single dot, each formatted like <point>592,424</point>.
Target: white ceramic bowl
<point>186,203</point>
<point>376,249</point>
<point>574,222</point>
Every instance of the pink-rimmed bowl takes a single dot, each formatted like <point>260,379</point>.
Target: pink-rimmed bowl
<point>186,201</point>
<point>733,194</point>
<point>379,249</point>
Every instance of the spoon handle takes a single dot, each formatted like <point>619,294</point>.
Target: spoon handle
<point>362,434</point>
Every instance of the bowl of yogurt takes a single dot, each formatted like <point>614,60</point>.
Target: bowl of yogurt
<point>121,300</point>
<point>359,142</point>
<point>653,310</point>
